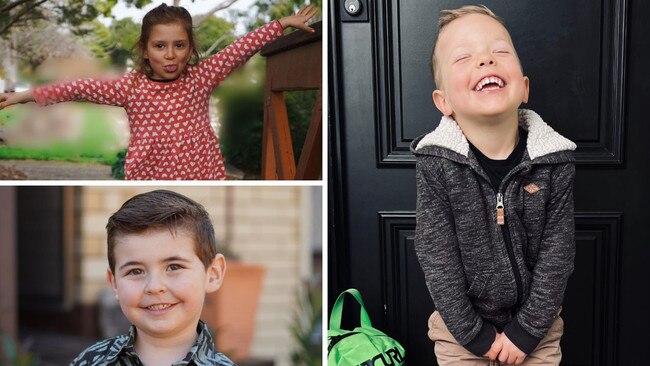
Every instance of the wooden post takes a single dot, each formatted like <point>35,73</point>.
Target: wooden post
<point>282,145</point>
<point>294,63</point>
<point>269,171</point>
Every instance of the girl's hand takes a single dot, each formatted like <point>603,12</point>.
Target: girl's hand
<point>299,20</point>
<point>7,99</point>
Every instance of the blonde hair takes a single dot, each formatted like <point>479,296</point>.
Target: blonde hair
<point>448,16</point>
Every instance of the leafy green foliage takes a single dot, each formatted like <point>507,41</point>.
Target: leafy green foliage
<point>13,355</point>
<point>56,152</point>
<point>268,10</point>
<point>117,169</point>
<point>11,116</point>
<point>95,145</point>
<point>72,12</point>
<point>211,30</point>
<point>299,110</point>
<point>306,326</point>
<point>241,107</point>
<point>98,39</point>
<point>125,35</point>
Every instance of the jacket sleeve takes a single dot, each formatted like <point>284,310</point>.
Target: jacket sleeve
<point>438,252</point>
<point>553,267</point>
<point>215,68</point>
<point>100,91</point>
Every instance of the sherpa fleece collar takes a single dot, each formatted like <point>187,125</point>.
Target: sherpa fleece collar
<point>542,139</point>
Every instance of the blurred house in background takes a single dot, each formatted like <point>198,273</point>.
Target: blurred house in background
<point>53,261</point>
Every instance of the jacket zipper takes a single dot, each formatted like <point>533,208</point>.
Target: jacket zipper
<point>501,217</point>
<point>501,222</point>
<point>509,248</point>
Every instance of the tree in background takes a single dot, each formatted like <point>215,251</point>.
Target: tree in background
<point>73,12</point>
<point>276,9</point>
<point>214,31</point>
<point>125,34</point>
<point>41,41</point>
<point>23,16</point>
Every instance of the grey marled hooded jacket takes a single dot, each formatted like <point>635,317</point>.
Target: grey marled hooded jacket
<point>482,275</point>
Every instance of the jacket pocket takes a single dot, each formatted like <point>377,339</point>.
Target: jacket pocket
<point>477,287</point>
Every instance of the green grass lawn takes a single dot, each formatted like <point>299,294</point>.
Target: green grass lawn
<point>96,143</point>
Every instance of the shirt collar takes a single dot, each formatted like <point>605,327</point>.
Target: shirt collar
<point>203,347</point>
<point>200,354</point>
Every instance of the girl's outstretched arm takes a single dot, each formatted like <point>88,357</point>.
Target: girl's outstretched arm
<point>7,99</point>
<point>217,67</point>
<point>99,91</point>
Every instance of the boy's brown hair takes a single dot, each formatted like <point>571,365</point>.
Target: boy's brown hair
<point>448,16</point>
<point>163,209</point>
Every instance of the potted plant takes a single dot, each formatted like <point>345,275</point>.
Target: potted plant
<point>231,311</point>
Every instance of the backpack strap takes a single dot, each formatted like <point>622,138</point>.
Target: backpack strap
<point>337,310</point>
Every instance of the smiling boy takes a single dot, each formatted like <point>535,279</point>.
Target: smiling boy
<point>162,261</point>
<point>495,230</point>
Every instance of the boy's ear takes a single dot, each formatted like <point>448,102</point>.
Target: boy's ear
<point>526,89</point>
<point>441,103</point>
<point>111,279</point>
<point>216,273</point>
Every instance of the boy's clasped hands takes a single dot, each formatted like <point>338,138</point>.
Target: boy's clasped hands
<point>504,351</point>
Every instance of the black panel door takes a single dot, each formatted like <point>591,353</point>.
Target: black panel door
<point>587,62</point>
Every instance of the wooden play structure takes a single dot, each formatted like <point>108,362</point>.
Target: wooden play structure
<point>293,63</point>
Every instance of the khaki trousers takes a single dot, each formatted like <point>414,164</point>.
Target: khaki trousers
<point>451,353</point>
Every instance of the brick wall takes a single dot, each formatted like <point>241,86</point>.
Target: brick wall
<point>267,226</point>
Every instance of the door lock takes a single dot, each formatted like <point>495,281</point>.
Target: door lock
<point>352,7</point>
<point>354,11</point>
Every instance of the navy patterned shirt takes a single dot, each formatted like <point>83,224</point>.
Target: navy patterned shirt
<point>120,351</point>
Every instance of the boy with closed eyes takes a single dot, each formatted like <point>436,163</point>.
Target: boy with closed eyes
<point>495,230</point>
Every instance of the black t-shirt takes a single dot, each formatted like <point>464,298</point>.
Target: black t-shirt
<point>497,169</point>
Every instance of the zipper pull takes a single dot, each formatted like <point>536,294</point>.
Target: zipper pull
<point>501,215</point>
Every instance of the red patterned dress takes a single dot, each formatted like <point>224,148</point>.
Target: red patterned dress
<point>171,135</point>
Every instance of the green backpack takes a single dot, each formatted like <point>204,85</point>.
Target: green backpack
<point>363,346</point>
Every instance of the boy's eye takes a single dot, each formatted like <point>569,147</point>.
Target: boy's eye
<point>461,58</point>
<point>501,51</point>
<point>174,267</point>
<point>134,272</point>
